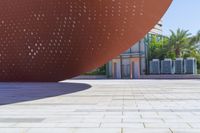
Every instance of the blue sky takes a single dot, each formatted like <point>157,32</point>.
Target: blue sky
<point>184,14</point>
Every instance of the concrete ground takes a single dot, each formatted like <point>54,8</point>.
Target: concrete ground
<point>101,106</point>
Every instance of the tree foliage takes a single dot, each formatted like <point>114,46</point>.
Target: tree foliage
<point>180,43</point>
<point>157,47</point>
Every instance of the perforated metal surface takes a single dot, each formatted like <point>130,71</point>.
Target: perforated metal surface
<point>52,40</point>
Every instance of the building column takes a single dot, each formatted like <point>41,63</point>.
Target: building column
<point>116,69</point>
<point>135,70</point>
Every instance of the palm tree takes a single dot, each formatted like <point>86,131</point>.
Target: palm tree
<point>193,48</point>
<point>179,42</point>
<point>195,39</point>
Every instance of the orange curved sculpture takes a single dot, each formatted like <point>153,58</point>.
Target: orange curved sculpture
<point>53,40</point>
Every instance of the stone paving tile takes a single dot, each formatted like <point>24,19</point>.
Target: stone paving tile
<point>143,120</point>
<point>14,130</point>
<point>122,125</point>
<point>195,124</point>
<point>98,130</point>
<point>133,130</point>
<point>106,106</point>
<point>185,130</point>
<point>74,130</point>
<point>7,125</point>
<point>167,125</point>
<point>35,125</point>
<point>78,125</point>
<point>50,130</point>
<point>63,120</point>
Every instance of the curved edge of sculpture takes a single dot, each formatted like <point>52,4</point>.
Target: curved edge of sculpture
<point>48,41</point>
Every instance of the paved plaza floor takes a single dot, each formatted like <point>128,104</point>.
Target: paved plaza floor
<point>101,106</point>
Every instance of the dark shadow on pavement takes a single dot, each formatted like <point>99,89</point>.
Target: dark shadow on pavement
<point>20,92</point>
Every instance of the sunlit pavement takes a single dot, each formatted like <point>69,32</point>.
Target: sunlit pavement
<point>101,106</point>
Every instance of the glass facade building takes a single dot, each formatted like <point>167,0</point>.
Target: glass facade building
<point>132,63</point>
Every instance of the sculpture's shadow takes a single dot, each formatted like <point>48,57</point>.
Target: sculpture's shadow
<point>20,92</point>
